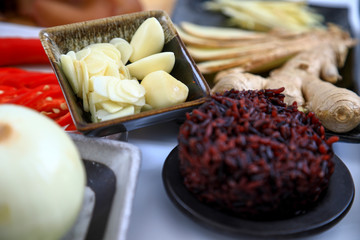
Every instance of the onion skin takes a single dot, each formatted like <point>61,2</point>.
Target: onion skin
<point>42,177</point>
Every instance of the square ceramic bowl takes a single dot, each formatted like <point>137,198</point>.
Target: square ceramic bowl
<point>112,169</point>
<point>61,39</point>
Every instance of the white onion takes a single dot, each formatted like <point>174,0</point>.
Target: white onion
<point>42,177</point>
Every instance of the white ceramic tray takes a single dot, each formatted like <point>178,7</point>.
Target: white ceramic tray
<point>112,169</point>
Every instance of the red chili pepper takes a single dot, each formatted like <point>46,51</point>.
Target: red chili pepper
<point>21,78</point>
<point>26,96</point>
<point>9,95</point>
<point>71,127</point>
<point>49,105</point>
<point>66,121</point>
<point>16,51</point>
<point>52,94</point>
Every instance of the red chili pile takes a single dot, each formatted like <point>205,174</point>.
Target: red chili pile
<point>37,90</point>
<point>249,153</point>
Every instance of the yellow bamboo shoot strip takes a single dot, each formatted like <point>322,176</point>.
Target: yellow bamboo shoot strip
<point>223,37</point>
<point>212,43</point>
<point>263,59</point>
<point>265,15</point>
<point>213,55</point>
<point>205,53</point>
<point>221,33</point>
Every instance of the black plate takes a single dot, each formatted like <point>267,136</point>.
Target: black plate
<point>330,210</point>
<point>193,11</point>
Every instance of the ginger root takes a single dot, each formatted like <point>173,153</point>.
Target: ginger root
<point>238,80</point>
<point>308,80</point>
<point>337,108</point>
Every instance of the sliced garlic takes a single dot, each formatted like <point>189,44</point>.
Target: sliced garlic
<point>96,63</point>
<point>124,47</point>
<point>82,54</point>
<point>67,66</point>
<point>131,90</point>
<point>108,49</point>
<point>124,72</point>
<point>113,91</point>
<point>97,98</point>
<point>84,76</point>
<point>112,70</point>
<point>111,107</point>
<point>85,99</point>
<point>79,76</point>
<point>99,84</point>
<point>72,54</point>
<point>104,115</point>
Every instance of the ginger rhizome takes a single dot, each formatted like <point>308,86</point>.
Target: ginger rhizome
<point>308,80</point>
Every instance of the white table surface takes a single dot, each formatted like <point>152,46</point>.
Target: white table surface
<point>155,217</point>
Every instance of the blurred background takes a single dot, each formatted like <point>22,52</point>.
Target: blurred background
<point>46,13</point>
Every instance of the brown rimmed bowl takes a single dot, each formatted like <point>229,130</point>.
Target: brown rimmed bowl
<point>62,39</point>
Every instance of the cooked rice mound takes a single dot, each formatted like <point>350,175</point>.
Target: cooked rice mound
<point>248,153</point>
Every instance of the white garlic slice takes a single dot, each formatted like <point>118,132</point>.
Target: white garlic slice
<point>124,47</point>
